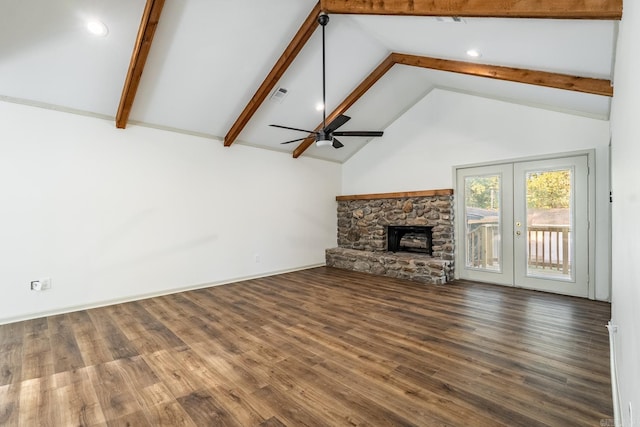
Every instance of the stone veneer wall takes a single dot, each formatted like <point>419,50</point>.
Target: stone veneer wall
<point>362,239</point>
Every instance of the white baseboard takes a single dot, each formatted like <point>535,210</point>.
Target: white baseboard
<point>138,297</point>
<point>615,393</point>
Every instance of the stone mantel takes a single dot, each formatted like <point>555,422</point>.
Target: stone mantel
<point>362,239</point>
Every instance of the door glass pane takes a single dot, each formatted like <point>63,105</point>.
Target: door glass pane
<point>549,224</point>
<point>482,209</point>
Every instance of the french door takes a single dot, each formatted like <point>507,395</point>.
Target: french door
<point>525,224</point>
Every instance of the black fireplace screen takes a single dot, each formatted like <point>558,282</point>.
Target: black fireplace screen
<point>409,238</point>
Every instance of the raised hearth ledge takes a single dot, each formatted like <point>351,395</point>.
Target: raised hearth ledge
<point>398,195</point>
<point>415,267</point>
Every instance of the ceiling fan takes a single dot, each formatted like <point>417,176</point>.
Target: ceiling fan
<point>326,135</point>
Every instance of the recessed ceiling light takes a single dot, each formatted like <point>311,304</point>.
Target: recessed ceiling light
<point>474,53</point>
<point>97,28</point>
<point>319,106</point>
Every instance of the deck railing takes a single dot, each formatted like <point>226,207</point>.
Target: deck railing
<point>483,245</point>
<point>548,246</point>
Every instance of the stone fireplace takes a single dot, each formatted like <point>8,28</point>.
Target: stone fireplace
<point>406,235</point>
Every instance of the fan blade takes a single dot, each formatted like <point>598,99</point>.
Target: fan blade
<point>293,140</point>
<point>337,144</point>
<point>371,133</point>
<point>290,128</point>
<point>336,123</point>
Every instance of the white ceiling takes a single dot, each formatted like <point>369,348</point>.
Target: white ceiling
<point>209,57</point>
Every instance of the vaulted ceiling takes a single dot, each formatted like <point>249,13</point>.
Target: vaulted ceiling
<point>211,67</point>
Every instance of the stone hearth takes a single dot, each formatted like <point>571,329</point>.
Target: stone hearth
<point>362,235</point>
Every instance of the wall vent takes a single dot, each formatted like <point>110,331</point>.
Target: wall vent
<point>279,94</point>
<point>450,19</point>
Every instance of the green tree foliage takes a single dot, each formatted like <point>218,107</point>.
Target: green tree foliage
<point>549,189</point>
<point>482,192</point>
<point>545,190</point>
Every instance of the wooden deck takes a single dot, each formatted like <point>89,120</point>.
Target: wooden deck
<point>321,347</point>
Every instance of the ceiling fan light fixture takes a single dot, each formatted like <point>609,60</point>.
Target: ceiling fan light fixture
<point>324,143</point>
<point>323,139</point>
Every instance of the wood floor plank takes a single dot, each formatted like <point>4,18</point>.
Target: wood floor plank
<point>115,394</point>
<point>93,348</point>
<point>290,411</point>
<point>272,422</point>
<point>11,346</point>
<point>118,344</point>
<point>10,364</point>
<point>205,410</point>
<point>229,388</point>
<point>171,414</point>
<point>314,347</point>
<point>35,408</point>
<point>137,419</point>
<point>9,404</point>
<point>167,367</point>
<point>154,395</point>
<point>350,404</point>
<point>150,334</point>
<point>77,404</point>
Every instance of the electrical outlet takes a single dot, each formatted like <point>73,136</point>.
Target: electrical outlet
<point>40,284</point>
<point>257,258</point>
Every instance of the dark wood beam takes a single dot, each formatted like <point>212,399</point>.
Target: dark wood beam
<point>357,93</point>
<point>518,75</point>
<point>546,9</point>
<point>148,24</point>
<point>295,46</point>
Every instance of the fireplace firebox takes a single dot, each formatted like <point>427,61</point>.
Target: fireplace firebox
<point>409,238</point>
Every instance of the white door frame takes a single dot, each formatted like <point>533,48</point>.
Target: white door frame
<point>459,221</point>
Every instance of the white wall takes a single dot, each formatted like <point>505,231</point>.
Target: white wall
<point>113,214</point>
<point>625,126</point>
<point>447,129</point>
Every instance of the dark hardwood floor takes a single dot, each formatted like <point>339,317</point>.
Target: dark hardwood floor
<point>321,347</point>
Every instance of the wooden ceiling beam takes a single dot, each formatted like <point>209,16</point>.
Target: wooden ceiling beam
<point>519,75</point>
<point>544,9</point>
<point>357,93</point>
<point>295,46</point>
<point>148,24</point>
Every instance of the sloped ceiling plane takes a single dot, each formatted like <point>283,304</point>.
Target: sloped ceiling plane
<point>227,69</point>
